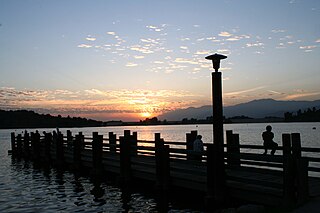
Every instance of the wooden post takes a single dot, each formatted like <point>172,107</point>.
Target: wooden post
<point>19,145</point>
<point>125,158</point>
<point>162,158</point>
<point>35,145</point>
<point>159,144</point>
<point>229,139</point>
<point>302,180</point>
<point>26,145</point>
<point>69,138</point>
<point>77,148</point>
<point>296,145</point>
<point>97,152</point>
<point>288,173</point>
<point>47,146</point>
<point>233,148</point>
<point>59,150</point>
<point>165,159</point>
<point>236,149</point>
<point>112,142</point>
<point>134,143</point>
<point>13,143</point>
<point>301,170</point>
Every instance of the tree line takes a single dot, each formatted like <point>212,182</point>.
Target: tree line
<point>308,115</point>
<point>30,119</point>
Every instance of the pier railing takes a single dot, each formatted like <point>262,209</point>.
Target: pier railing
<point>245,173</point>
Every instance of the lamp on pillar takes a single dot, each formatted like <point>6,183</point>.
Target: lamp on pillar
<point>215,58</point>
<point>217,99</point>
<point>219,184</point>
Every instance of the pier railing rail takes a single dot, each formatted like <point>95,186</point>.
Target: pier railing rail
<point>282,179</point>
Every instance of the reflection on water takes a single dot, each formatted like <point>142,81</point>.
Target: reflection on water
<point>28,189</point>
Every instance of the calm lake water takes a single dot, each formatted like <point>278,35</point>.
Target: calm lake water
<point>24,188</point>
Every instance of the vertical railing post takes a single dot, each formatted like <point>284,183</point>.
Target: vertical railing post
<point>296,145</point>
<point>301,170</point>
<point>162,158</point>
<point>59,150</point>
<point>77,148</point>
<point>125,158</point>
<point>235,147</point>
<point>158,151</point>
<point>288,173</point>
<point>35,145</point>
<point>13,143</point>
<point>229,138</point>
<point>112,142</point>
<point>19,145</point>
<point>97,146</point>
<point>69,138</point>
<point>47,146</point>
<point>26,144</point>
<point>134,143</point>
<point>165,161</point>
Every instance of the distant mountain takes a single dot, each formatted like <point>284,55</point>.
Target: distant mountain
<point>254,109</point>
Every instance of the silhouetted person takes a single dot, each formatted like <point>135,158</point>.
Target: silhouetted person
<point>268,142</point>
<point>198,148</point>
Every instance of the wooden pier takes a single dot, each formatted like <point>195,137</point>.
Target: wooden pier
<point>282,180</point>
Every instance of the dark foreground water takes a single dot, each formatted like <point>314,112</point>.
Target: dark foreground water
<point>26,188</point>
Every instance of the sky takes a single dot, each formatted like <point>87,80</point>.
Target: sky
<point>128,60</point>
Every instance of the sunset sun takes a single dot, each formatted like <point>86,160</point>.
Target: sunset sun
<point>146,114</point>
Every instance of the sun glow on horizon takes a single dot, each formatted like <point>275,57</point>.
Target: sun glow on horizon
<point>146,114</point>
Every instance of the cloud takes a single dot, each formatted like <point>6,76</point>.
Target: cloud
<point>186,61</point>
<point>300,95</point>
<point>257,44</point>
<point>225,34</point>
<point>155,28</point>
<point>111,33</point>
<point>318,40</point>
<point>89,38</point>
<point>142,49</point>
<point>129,64</point>
<point>138,56</point>
<point>233,39</point>
<point>224,51</point>
<point>278,31</point>
<point>95,101</point>
<point>275,92</point>
<point>185,39</point>
<point>84,46</point>
<point>158,62</point>
<point>225,68</point>
<point>202,52</point>
<point>308,47</point>
<point>244,91</point>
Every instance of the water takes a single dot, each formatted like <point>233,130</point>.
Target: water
<point>25,188</point>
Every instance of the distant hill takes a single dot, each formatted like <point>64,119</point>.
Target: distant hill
<point>30,119</point>
<point>254,109</point>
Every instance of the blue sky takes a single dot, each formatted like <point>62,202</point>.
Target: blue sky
<point>133,59</point>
